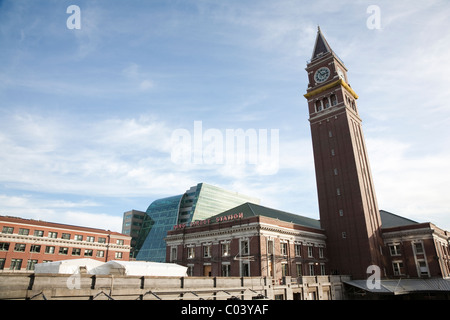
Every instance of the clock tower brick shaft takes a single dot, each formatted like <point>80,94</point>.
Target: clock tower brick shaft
<point>348,206</point>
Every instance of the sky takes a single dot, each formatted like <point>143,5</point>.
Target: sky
<point>109,106</point>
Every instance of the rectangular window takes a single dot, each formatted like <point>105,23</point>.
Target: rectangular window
<point>35,248</point>
<point>38,233</point>
<point>90,239</point>
<point>19,247</point>
<point>395,249</point>
<point>225,249</point>
<point>206,251</point>
<point>173,253</point>
<point>63,250</point>
<point>284,270</point>
<point>311,269</point>
<point>4,246</point>
<point>31,263</point>
<point>298,250</point>
<point>16,264</point>
<point>418,248</point>
<point>88,252</point>
<point>310,251</point>
<point>298,266</point>
<point>322,269</point>
<point>24,232</point>
<point>321,253</point>
<point>119,242</point>
<point>65,236</point>
<point>53,235</point>
<point>270,247</point>
<point>344,235</point>
<point>226,270</point>
<point>78,237</point>
<point>191,252</point>
<point>244,247</point>
<point>190,270</point>
<point>101,240</point>
<point>283,248</point>
<point>100,253</point>
<point>118,255</point>
<point>76,252</point>
<point>8,230</point>
<point>50,249</point>
<point>398,268</point>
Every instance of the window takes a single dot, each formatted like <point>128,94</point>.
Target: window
<point>298,266</point>
<point>332,152</point>
<point>88,252</point>
<point>190,270</point>
<point>100,253</point>
<point>330,134</point>
<point>319,106</point>
<point>284,248</point>
<point>322,269</point>
<point>298,250</point>
<point>398,268</point>
<point>244,247</point>
<point>8,230</point>
<point>24,232</point>
<point>395,249</point>
<point>19,247</point>
<point>173,253</point>
<point>245,269</point>
<point>76,252</point>
<point>53,235</point>
<point>16,264</point>
<point>90,239</point>
<point>270,246</point>
<point>31,263</point>
<point>338,191</point>
<point>226,270</point>
<point>326,103</point>
<point>321,253</point>
<point>333,100</point>
<point>49,249</point>
<point>2,263</point>
<point>101,240</point>
<point>284,270</point>
<point>344,235</point>
<point>119,242</point>
<point>310,251</point>
<point>335,171</point>
<point>78,237</point>
<point>35,248</point>
<point>418,248</point>
<point>311,269</point>
<point>4,246</point>
<point>206,251</point>
<point>341,212</point>
<point>38,233</point>
<point>118,255</point>
<point>191,252</point>
<point>423,269</point>
<point>65,236</point>
<point>63,250</point>
<point>225,249</point>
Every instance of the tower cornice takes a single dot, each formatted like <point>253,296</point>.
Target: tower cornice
<point>329,86</point>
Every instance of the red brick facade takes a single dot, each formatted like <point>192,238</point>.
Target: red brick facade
<point>255,246</point>
<point>25,242</point>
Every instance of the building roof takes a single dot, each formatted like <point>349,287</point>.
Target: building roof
<point>57,225</point>
<point>321,47</point>
<point>251,210</point>
<point>390,220</point>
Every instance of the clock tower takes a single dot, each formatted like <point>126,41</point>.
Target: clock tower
<point>348,206</point>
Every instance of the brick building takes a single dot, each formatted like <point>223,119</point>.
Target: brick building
<point>25,242</point>
<point>249,240</point>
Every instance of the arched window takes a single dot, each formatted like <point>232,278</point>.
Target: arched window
<point>326,102</point>
<point>319,106</point>
<point>333,100</point>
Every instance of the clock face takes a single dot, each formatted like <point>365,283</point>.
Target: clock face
<point>322,74</point>
<point>341,74</point>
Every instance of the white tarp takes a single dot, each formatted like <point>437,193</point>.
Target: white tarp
<point>115,267</point>
<point>70,266</point>
<point>141,268</point>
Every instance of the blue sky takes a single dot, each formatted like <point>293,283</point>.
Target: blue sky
<point>87,115</point>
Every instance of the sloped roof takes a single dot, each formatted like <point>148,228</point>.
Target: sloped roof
<point>253,210</point>
<point>390,220</point>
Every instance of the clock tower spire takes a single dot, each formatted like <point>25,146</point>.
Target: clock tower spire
<point>348,206</point>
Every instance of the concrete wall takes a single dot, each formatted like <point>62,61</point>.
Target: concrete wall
<point>85,287</point>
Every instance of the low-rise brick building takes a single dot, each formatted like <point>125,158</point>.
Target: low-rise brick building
<point>25,242</point>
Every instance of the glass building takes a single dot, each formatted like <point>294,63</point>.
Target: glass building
<point>197,203</point>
